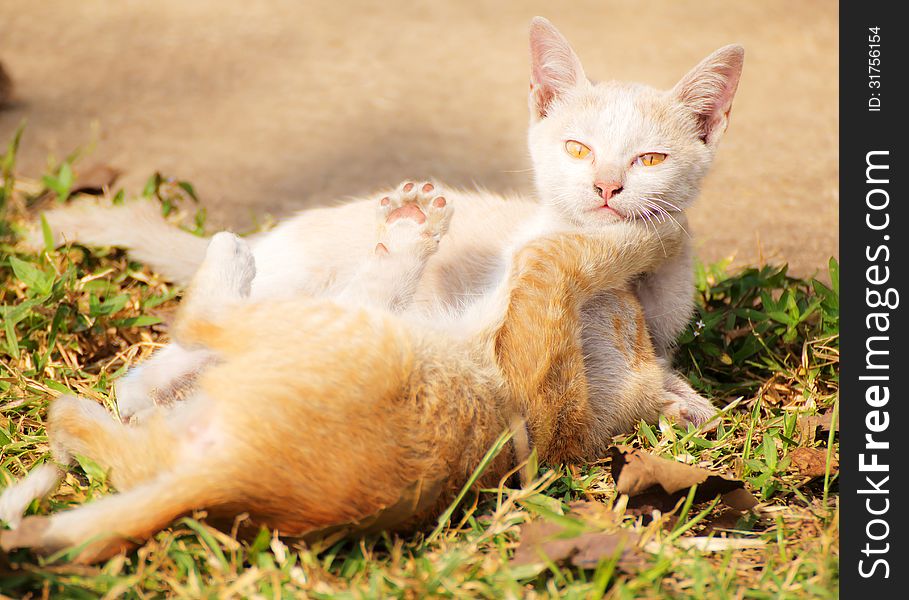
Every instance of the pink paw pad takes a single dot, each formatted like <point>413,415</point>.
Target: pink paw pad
<point>408,211</point>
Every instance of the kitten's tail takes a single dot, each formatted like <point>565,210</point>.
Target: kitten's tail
<point>136,226</point>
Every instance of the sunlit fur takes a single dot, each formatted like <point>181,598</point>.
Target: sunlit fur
<point>318,414</point>
<point>319,250</point>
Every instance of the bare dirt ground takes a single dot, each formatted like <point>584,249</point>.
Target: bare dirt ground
<point>276,105</point>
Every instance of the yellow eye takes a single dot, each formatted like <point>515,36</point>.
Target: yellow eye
<point>651,158</point>
<point>576,149</point>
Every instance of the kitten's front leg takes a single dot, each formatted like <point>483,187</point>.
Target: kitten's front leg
<point>667,296</point>
<point>685,404</point>
<point>411,223</point>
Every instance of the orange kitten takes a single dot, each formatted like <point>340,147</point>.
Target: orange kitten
<point>318,413</point>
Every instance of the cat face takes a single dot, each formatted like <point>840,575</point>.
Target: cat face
<point>615,151</point>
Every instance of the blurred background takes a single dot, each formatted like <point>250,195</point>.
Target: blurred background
<point>277,105</point>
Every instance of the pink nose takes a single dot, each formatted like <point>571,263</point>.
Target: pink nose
<point>607,189</point>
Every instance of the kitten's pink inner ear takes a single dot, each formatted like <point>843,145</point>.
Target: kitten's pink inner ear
<point>709,88</point>
<point>554,67</point>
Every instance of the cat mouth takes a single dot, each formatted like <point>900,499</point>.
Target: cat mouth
<point>605,208</point>
<point>604,211</point>
<point>607,213</point>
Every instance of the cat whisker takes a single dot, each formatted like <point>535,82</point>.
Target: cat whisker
<point>680,225</point>
<point>668,214</point>
<point>639,216</point>
<point>654,207</point>
<point>660,211</point>
<point>666,202</point>
<point>647,215</point>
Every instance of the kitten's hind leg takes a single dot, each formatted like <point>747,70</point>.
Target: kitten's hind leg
<point>131,454</point>
<point>411,223</point>
<point>15,499</point>
<point>83,427</point>
<point>43,479</point>
<point>160,381</point>
<point>114,523</point>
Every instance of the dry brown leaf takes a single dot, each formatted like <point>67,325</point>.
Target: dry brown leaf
<point>825,421</point>
<point>812,462</point>
<point>740,499</point>
<point>545,541</point>
<point>810,424</point>
<point>660,483</point>
<point>727,519</point>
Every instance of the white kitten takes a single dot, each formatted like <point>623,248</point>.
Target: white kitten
<point>602,153</point>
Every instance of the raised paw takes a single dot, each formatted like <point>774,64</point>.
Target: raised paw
<point>414,215</point>
<point>229,266</point>
<point>223,279</point>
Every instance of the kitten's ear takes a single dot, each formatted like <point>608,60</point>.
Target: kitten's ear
<point>708,90</point>
<point>554,67</point>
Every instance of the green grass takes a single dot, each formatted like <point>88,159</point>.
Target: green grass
<point>762,343</point>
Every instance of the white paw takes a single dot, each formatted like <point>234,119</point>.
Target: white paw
<point>414,215</point>
<point>132,394</point>
<point>229,266</point>
<point>685,404</point>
